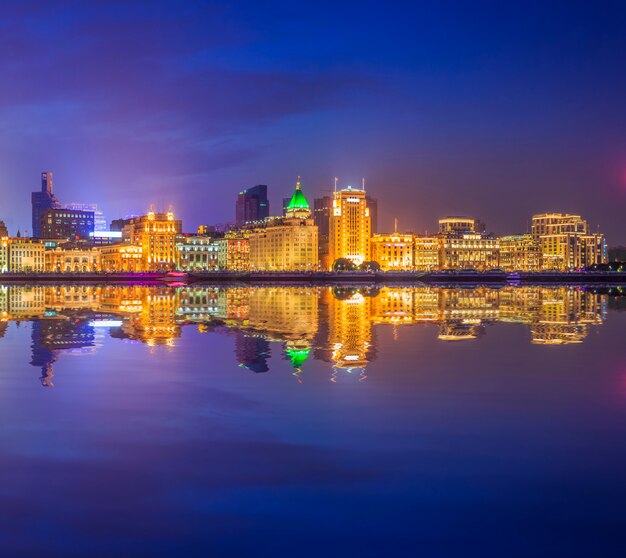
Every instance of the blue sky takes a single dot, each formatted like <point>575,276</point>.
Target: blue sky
<point>497,111</point>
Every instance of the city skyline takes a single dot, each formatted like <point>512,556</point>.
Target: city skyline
<point>452,114</point>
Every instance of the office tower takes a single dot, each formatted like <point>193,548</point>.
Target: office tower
<point>372,205</point>
<point>99,220</point>
<point>286,244</point>
<point>41,201</point>
<point>252,205</point>
<point>350,227</point>
<point>322,208</point>
<point>566,243</point>
<point>58,223</point>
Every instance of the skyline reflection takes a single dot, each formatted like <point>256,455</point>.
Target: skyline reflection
<point>336,325</point>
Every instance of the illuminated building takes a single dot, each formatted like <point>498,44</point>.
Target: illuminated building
<point>350,329</point>
<point>68,224</point>
<point>288,243</point>
<point>394,306</point>
<point>26,302</point>
<point>564,316</point>
<point>566,243</point>
<point>519,252</point>
<point>252,205</point>
<point>425,253</point>
<point>350,227</point>
<point>4,232</point>
<point>464,245</point>
<point>155,323</point>
<point>233,251</point>
<point>41,201</point>
<point>25,254</point>
<point>72,260</point>
<point>156,234</point>
<point>99,220</point>
<point>198,253</point>
<point>122,258</point>
<point>393,252</point>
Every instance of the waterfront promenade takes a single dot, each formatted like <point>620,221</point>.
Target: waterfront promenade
<point>435,277</point>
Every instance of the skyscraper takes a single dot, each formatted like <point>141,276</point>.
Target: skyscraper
<point>252,205</point>
<point>41,201</point>
<point>350,227</point>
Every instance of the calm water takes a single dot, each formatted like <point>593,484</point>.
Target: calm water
<point>147,421</point>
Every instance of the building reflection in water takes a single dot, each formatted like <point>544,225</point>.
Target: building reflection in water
<point>336,325</point>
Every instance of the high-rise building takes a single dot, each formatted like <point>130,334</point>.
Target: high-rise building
<point>69,224</point>
<point>287,243</point>
<point>156,234</point>
<point>350,227</point>
<point>99,220</point>
<point>322,208</point>
<point>372,204</point>
<point>252,205</point>
<point>566,243</point>
<point>41,201</point>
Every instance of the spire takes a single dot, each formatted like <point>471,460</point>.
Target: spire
<point>298,203</point>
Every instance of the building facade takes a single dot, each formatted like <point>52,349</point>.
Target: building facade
<point>67,224</point>
<point>426,253</point>
<point>156,234</point>
<point>393,252</point>
<point>121,258</point>
<point>197,253</point>
<point>289,243</point>
<point>519,252</point>
<point>233,251</point>
<point>350,227</point>
<point>465,245</point>
<point>26,255</point>
<point>72,260</point>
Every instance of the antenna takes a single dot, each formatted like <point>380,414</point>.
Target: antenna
<point>336,184</point>
<point>395,225</point>
<point>363,183</point>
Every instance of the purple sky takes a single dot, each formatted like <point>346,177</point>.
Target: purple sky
<point>446,108</point>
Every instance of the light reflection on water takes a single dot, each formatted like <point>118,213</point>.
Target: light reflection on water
<point>327,420</point>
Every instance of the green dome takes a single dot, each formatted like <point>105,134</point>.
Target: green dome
<point>297,356</point>
<point>298,201</point>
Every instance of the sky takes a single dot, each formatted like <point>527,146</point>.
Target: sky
<point>496,110</point>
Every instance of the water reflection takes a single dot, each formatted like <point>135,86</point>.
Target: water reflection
<point>331,324</point>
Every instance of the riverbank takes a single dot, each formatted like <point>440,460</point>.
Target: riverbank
<point>212,277</point>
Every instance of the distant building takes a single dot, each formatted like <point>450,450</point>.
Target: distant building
<point>286,243</point>
<point>70,224</point>
<point>119,224</point>
<point>4,232</point>
<point>252,205</point>
<point>566,243</point>
<point>42,201</point>
<point>372,204</point>
<point>350,226</point>
<point>322,209</point>
<point>99,220</point>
